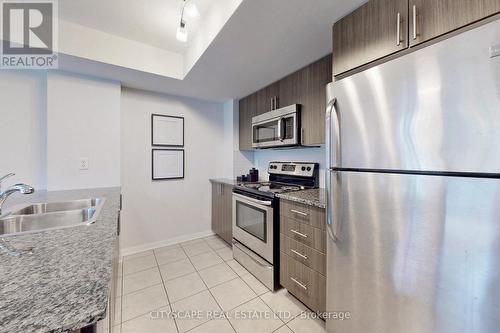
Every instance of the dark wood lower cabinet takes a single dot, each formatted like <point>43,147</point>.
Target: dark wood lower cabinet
<point>303,253</point>
<point>222,211</point>
<point>304,283</point>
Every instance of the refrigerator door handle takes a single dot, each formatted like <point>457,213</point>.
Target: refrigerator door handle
<point>332,159</point>
<point>332,135</point>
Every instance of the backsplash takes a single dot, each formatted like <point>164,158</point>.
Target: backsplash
<point>263,157</point>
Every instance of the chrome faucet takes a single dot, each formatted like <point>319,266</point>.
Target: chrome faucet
<point>5,177</point>
<point>21,188</point>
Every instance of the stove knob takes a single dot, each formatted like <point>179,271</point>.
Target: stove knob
<point>308,168</point>
<point>303,168</point>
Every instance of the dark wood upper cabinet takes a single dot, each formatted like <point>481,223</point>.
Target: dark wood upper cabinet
<point>266,98</point>
<point>248,110</point>
<point>432,18</point>
<point>313,109</point>
<point>373,31</point>
<point>306,87</point>
<point>381,28</point>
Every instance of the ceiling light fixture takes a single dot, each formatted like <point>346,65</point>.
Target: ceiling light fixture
<point>191,9</point>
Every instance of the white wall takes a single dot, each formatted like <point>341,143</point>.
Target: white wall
<point>237,162</point>
<point>22,125</point>
<point>163,212</point>
<point>83,120</point>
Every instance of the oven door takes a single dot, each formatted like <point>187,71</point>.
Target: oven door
<point>253,224</point>
<point>275,132</point>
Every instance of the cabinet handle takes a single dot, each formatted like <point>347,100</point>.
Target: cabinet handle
<point>303,286</point>
<point>299,212</point>
<point>298,233</point>
<point>414,21</point>
<point>272,104</point>
<point>299,254</point>
<point>398,31</point>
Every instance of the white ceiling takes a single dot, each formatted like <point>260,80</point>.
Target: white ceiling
<point>153,22</point>
<point>262,42</point>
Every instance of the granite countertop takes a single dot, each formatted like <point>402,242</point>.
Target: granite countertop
<point>63,285</point>
<point>313,197</point>
<point>224,181</point>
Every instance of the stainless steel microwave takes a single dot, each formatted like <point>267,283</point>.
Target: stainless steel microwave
<point>277,128</point>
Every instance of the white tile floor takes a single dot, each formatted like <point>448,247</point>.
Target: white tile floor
<point>199,279</point>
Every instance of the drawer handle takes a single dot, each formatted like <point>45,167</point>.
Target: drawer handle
<point>299,212</point>
<point>303,286</point>
<point>298,233</point>
<point>299,254</point>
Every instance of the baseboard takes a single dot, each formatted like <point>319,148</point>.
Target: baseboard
<point>171,241</point>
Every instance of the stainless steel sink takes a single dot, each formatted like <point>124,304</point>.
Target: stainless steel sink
<point>49,207</point>
<point>52,215</point>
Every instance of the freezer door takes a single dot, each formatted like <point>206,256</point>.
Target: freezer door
<point>414,254</point>
<point>436,109</point>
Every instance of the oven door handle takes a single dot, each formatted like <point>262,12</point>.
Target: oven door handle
<point>260,202</point>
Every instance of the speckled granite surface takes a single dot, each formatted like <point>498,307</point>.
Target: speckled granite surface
<point>64,284</point>
<point>313,197</point>
<point>224,181</point>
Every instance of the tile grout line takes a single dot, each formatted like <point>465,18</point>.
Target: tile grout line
<point>163,282</point>
<point>210,292</point>
<point>142,289</point>
<point>165,288</point>
<point>121,299</point>
<point>237,276</point>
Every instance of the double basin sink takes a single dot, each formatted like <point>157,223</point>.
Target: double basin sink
<point>51,215</point>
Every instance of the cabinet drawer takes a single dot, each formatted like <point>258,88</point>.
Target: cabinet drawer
<point>314,216</point>
<point>303,233</point>
<point>304,283</point>
<point>304,254</point>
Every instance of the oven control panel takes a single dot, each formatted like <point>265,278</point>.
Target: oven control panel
<point>301,169</point>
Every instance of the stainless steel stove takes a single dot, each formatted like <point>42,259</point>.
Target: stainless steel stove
<point>272,187</point>
<point>256,217</point>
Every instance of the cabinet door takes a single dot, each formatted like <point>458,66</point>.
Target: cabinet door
<point>293,88</point>
<point>227,212</point>
<point>265,98</point>
<point>313,109</point>
<point>248,107</point>
<point>216,208</point>
<point>375,30</point>
<point>432,18</point>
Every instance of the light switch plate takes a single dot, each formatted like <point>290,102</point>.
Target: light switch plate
<point>495,51</point>
<point>84,163</point>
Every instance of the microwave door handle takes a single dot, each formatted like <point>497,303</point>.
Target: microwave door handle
<point>280,129</point>
<point>282,132</point>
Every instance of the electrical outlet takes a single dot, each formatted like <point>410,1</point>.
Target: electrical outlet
<point>495,51</point>
<point>84,163</point>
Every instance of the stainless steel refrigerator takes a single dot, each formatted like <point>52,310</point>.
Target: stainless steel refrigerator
<point>413,147</point>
